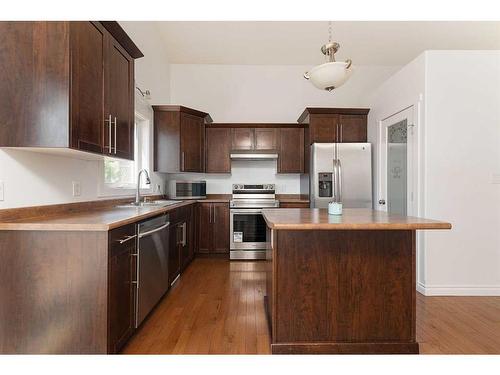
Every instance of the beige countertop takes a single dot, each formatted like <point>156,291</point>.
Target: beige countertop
<point>351,219</point>
<point>100,219</point>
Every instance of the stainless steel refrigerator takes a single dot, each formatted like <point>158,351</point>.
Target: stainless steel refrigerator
<point>350,177</point>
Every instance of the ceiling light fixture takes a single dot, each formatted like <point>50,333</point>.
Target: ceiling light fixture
<point>332,74</point>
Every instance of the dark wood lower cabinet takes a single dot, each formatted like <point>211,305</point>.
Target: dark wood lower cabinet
<point>182,240</point>
<point>213,224</point>
<point>121,292</point>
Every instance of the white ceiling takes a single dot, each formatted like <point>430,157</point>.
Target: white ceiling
<point>298,43</point>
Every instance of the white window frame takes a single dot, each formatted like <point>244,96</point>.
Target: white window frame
<point>107,190</point>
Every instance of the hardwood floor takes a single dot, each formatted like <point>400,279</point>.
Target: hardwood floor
<point>216,307</point>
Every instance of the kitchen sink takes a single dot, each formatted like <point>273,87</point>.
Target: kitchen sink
<point>157,203</point>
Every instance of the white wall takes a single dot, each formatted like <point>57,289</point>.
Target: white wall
<point>38,179</point>
<point>265,93</point>
<point>262,93</point>
<point>152,72</point>
<point>245,172</point>
<point>462,141</point>
<point>455,95</point>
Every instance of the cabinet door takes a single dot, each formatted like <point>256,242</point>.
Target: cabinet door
<point>204,227</point>
<point>119,100</point>
<point>323,129</point>
<point>184,244</point>
<point>218,149</point>
<point>88,44</point>
<point>191,231</point>
<point>266,139</point>
<point>220,228</point>
<point>291,149</point>
<point>242,138</point>
<point>353,128</point>
<point>174,266</point>
<point>34,78</point>
<point>192,143</point>
<point>121,289</point>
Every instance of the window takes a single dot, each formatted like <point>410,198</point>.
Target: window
<point>120,176</point>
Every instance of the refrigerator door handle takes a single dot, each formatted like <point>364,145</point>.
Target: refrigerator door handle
<point>339,171</point>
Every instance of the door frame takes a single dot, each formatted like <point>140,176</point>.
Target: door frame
<point>407,113</point>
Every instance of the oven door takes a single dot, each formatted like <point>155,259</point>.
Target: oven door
<point>248,229</point>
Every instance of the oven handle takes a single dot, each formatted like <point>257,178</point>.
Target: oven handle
<point>246,210</point>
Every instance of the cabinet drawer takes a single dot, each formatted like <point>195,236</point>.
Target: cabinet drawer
<point>121,237</point>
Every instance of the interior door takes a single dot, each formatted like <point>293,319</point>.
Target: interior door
<point>119,106</point>
<point>397,145</point>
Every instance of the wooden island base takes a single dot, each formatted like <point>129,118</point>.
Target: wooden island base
<point>342,291</point>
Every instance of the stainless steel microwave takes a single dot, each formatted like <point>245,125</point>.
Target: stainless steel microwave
<point>187,189</point>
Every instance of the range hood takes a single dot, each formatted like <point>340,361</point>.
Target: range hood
<point>254,155</point>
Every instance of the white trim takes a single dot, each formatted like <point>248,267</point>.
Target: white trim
<point>459,290</point>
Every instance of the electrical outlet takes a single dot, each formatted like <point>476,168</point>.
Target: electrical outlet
<point>495,178</point>
<point>1,191</point>
<point>77,189</point>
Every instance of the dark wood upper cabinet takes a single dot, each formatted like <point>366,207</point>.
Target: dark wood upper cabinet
<point>249,138</point>
<point>266,138</point>
<point>218,149</point>
<point>88,47</point>
<point>291,150</point>
<point>213,224</point>
<point>63,85</point>
<point>323,129</point>
<point>179,139</point>
<point>192,143</point>
<point>34,75</point>
<point>119,101</point>
<point>328,125</point>
<point>353,128</point>
<point>243,138</point>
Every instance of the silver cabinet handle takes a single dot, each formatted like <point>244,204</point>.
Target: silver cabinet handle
<point>215,212</point>
<point>144,234</point>
<point>381,201</point>
<point>182,161</point>
<point>110,124</point>
<point>115,134</point>
<point>126,239</point>
<point>184,225</point>
<point>341,133</point>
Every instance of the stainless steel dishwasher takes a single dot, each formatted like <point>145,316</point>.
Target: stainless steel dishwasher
<point>152,265</point>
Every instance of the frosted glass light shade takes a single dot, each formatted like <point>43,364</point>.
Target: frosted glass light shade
<point>330,75</point>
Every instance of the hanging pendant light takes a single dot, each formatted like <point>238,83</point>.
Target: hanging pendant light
<point>332,74</point>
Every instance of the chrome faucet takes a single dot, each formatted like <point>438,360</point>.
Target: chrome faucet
<point>138,192</point>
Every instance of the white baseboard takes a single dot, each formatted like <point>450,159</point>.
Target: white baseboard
<point>458,290</point>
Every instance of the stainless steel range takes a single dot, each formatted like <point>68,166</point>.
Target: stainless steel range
<point>248,227</point>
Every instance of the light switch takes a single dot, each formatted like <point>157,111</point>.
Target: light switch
<point>77,189</point>
<point>1,191</point>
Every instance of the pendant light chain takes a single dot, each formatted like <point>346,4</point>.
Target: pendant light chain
<point>329,31</point>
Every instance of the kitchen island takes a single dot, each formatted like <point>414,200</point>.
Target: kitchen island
<point>342,284</point>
